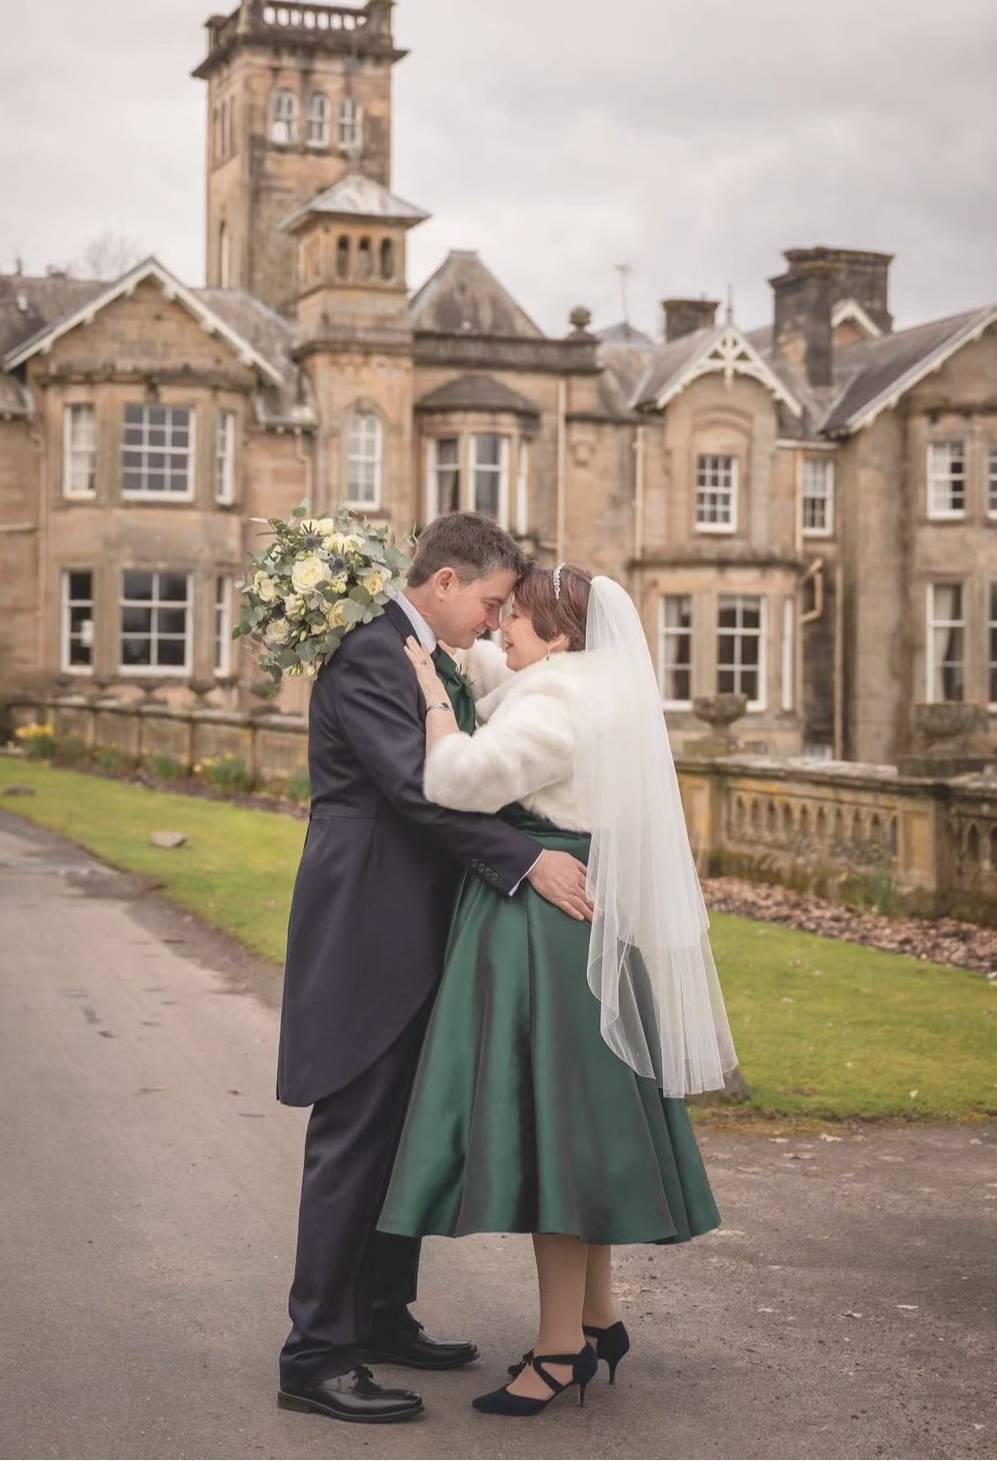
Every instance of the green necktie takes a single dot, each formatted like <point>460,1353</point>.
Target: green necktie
<point>458,691</point>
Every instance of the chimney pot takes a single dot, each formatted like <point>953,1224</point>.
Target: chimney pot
<point>685,316</point>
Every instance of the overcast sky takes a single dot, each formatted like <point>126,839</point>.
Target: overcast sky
<point>690,139</point>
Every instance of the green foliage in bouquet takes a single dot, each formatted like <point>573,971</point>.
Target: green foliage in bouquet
<point>319,579</point>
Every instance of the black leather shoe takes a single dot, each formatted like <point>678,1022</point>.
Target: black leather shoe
<point>355,1396</point>
<point>407,1343</point>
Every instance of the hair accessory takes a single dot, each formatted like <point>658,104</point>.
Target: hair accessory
<point>557,581</point>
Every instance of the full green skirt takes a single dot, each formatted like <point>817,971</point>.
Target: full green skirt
<point>521,1119</point>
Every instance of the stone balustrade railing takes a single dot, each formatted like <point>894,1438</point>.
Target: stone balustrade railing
<point>845,830</point>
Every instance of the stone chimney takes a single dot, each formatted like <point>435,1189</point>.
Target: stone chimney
<point>804,299</point>
<point>684,316</point>
<point>805,296</point>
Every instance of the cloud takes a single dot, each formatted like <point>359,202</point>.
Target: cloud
<point>690,139</point>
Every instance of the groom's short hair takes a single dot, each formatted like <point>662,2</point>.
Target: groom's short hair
<point>468,542</point>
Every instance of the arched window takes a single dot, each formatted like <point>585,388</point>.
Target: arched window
<point>284,126</point>
<point>350,123</point>
<point>343,256</point>
<point>224,257</point>
<point>387,259</point>
<point>365,259</point>
<point>318,119</point>
<point>363,459</point>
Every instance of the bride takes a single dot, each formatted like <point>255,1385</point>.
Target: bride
<point>549,1097</point>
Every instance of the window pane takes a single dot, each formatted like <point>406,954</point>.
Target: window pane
<point>487,450</point>
<point>739,645</point>
<point>173,586</point>
<point>137,584</point>
<point>715,486</point>
<point>135,620</point>
<point>81,586</point>
<point>170,652</point>
<point>136,651</point>
<point>676,647</point>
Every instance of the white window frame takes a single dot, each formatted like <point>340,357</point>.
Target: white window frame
<point>717,488</point>
<point>350,123</point>
<point>319,114</point>
<point>523,487</point>
<point>499,469</point>
<point>357,443</point>
<point>822,468</point>
<point>739,633</point>
<point>145,448</point>
<point>66,635</point>
<point>929,644</point>
<point>434,467</point>
<point>73,452</point>
<point>936,479</point>
<point>665,633</point>
<point>154,604</point>
<point>788,653</point>
<point>225,458</point>
<point>223,626</point>
<point>992,645</point>
<point>284,118</point>
<point>992,479</point>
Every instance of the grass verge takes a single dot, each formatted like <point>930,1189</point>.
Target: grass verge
<point>824,1029</point>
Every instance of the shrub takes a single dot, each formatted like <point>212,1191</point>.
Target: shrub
<point>71,750</point>
<point>108,759</point>
<point>228,773</point>
<point>163,767</point>
<point>299,788</point>
<point>38,741</point>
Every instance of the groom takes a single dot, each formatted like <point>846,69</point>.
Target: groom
<point>369,921</point>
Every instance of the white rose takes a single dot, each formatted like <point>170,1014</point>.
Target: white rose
<point>374,581</point>
<point>308,573</point>
<point>279,632</point>
<point>333,543</point>
<point>324,526</point>
<point>294,606</point>
<point>352,543</point>
<point>264,587</point>
<point>334,615</point>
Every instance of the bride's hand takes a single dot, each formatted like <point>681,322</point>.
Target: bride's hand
<point>429,681</point>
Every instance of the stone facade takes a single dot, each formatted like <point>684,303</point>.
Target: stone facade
<point>804,513</point>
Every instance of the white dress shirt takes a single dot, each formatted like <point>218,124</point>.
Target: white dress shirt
<point>428,640</point>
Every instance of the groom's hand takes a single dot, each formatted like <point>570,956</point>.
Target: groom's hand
<point>560,878</point>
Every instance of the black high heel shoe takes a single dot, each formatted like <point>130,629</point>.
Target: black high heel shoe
<point>611,1344</point>
<point>583,1367</point>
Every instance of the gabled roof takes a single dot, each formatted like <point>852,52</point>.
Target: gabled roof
<point>28,303</point>
<point>358,196</point>
<point>851,310</point>
<point>873,375</point>
<point>477,393</point>
<point>723,350</point>
<point>624,352</point>
<point>464,297</point>
<point>45,337</point>
<point>626,336</point>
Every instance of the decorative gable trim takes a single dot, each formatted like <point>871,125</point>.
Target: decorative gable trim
<point>729,353</point>
<point>850,309</point>
<point>172,288</point>
<point>890,396</point>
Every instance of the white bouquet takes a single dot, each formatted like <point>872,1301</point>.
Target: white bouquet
<point>318,579</point>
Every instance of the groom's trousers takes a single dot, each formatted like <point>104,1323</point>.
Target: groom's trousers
<point>345,1269</point>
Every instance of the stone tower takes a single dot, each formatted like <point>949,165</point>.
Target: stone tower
<point>298,96</point>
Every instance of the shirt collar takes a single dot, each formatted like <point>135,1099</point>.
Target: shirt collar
<point>424,633</point>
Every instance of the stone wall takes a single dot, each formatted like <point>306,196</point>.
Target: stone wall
<point>845,830</point>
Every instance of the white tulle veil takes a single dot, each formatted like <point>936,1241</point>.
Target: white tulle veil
<point>650,962</point>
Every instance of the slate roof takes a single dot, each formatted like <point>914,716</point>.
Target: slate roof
<point>669,360</point>
<point>477,393</point>
<point>358,196</point>
<point>13,397</point>
<point>873,368</point>
<point>463,297</point>
<point>28,304</point>
<point>625,352</point>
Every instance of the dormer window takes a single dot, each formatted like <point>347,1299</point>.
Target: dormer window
<point>318,119</point>
<point>350,123</point>
<point>284,126</point>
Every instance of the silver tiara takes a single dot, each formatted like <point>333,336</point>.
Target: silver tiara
<point>557,581</point>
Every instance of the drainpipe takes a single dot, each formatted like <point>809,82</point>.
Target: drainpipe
<point>839,664</point>
<point>562,406</point>
<point>639,492</point>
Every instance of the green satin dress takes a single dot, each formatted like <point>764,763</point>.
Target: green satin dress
<point>521,1118</point>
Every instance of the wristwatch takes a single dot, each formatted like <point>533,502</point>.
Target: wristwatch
<point>439,705</point>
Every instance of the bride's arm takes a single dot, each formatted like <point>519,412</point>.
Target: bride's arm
<point>527,746</point>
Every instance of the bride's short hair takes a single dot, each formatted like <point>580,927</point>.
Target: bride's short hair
<point>554,613</point>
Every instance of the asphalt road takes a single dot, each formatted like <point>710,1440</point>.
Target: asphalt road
<point>845,1309</point>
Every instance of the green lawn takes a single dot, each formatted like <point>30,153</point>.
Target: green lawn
<point>823,1028</point>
